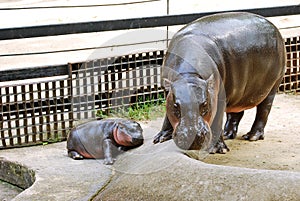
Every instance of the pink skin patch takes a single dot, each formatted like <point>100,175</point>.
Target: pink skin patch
<point>238,109</point>
<point>86,155</point>
<point>122,138</point>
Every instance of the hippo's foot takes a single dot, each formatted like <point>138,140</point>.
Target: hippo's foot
<point>162,136</point>
<point>109,161</point>
<point>231,134</point>
<point>75,155</point>
<point>254,136</point>
<point>220,148</point>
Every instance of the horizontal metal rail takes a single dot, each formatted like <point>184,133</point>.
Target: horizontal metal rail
<point>33,72</point>
<point>133,23</point>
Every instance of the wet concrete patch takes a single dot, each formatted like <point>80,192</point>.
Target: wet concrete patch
<point>8,191</point>
<point>14,178</point>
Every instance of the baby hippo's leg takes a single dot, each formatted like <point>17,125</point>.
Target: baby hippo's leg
<point>75,155</point>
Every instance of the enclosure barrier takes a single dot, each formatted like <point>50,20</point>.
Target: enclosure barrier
<point>291,79</point>
<point>35,109</point>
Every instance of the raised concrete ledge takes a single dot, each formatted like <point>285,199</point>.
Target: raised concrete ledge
<point>174,176</point>
<point>58,177</point>
<point>16,174</point>
<point>151,172</point>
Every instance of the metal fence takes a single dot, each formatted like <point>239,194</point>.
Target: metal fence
<point>34,110</point>
<point>291,79</point>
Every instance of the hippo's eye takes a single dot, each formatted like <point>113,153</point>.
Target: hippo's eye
<point>204,108</point>
<point>176,110</point>
<point>176,104</point>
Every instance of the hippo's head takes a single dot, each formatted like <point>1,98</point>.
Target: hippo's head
<point>189,111</point>
<point>128,133</point>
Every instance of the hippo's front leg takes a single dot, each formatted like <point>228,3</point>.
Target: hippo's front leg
<point>108,152</point>
<point>166,132</point>
<point>217,144</point>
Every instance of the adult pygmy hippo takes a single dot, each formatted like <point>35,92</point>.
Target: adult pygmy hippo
<point>104,139</point>
<point>226,62</point>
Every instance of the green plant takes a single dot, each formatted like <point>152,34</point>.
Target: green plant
<point>140,111</point>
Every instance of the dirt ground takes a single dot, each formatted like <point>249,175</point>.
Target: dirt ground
<point>280,150</point>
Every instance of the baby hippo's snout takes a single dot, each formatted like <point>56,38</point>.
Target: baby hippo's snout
<point>137,141</point>
<point>193,137</point>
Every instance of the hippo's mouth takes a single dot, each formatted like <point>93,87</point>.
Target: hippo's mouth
<point>192,137</point>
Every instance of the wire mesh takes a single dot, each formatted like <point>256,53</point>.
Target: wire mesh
<point>35,112</point>
<point>291,79</point>
<point>113,83</point>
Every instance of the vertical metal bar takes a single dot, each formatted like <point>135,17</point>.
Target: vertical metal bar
<point>120,99</point>
<point>106,84</point>
<point>134,77</point>
<point>32,111</point>
<point>127,75</point>
<point>62,107</point>
<point>155,74</point>
<point>92,85</point>
<point>288,66</point>
<point>26,133</point>
<point>1,121</point>
<point>70,96</point>
<point>78,94</point>
<point>113,91</point>
<point>17,120</point>
<point>54,88</point>
<point>100,89</point>
<point>40,109</point>
<point>8,101</point>
<point>85,92</point>
<point>148,75</point>
<point>48,110</point>
<point>141,87</point>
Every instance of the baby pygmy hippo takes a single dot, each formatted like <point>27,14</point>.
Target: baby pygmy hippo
<point>104,139</point>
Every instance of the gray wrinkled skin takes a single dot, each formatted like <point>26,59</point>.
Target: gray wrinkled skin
<point>226,62</point>
<point>99,139</point>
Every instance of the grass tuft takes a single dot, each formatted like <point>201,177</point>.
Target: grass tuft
<point>138,111</point>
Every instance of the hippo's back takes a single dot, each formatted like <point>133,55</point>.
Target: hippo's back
<point>87,139</point>
<point>246,48</point>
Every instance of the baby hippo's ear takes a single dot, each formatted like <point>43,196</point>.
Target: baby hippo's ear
<point>167,84</point>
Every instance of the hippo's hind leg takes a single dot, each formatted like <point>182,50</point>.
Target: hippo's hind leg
<point>165,133</point>
<point>262,113</point>
<point>75,155</point>
<point>231,125</point>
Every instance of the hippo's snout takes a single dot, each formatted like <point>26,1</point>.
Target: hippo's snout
<point>137,141</point>
<point>192,137</point>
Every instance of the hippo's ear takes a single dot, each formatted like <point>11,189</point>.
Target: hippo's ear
<point>167,84</point>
